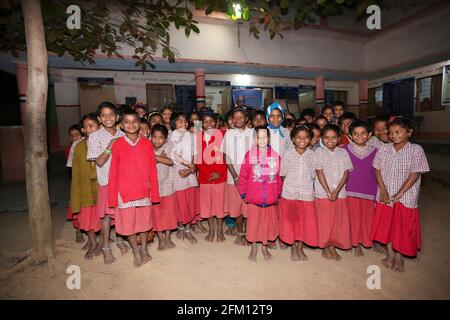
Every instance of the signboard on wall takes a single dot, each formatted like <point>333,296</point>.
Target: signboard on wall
<point>253,97</point>
<point>398,97</point>
<point>446,86</point>
<point>185,97</point>
<point>287,93</point>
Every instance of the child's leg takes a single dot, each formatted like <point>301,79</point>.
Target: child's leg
<point>79,236</point>
<point>104,244</point>
<point>253,252</point>
<point>210,236</point>
<point>294,251</point>
<point>146,257</point>
<point>161,241</point>
<point>266,253</point>
<point>334,254</point>
<point>168,241</point>
<point>180,231</point>
<point>121,244</point>
<point>358,251</point>
<point>378,247</point>
<point>388,262</point>
<point>399,263</point>
<point>271,245</point>
<point>240,239</point>
<point>301,254</point>
<point>188,234</point>
<point>326,253</point>
<point>92,242</point>
<point>219,230</point>
<point>135,249</point>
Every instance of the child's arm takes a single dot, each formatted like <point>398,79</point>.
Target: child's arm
<point>243,177</point>
<point>323,181</point>
<point>341,184</point>
<point>164,160</point>
<point>102,158</point>
<point>230,168</point>
<point>113,176</point>
<point>75,187</point>
<point>412,178</point>
<point>154,192</point>
<point>384,196</point>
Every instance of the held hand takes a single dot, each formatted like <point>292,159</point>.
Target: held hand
<point>384,197</point>
<point>396,197</point>
<point>184,173</point>
<point>334,195</point>
<point>214,176</point>
<point>329,196</point>
<point>236,181</point>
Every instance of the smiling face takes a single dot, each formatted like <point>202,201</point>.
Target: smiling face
<point>330,139</point>
<point>398,134</point>
<point>144,130</point>
<point>131,124</point>
<point>208,123</point>
<point>158,139</point>
<point>166,115</point>
<point>328,113</point>
<point>181,122</point>
<point>108,117</point>
<point>141,111</point>
<point>380,131</point>
<point>345,124</point>
<point>308,118</point>
<point>275,117</point>
<point>316,137</point>
<point>156,119</point>
<point>75,135</point>
<point>321,122</point>
<point>259,120</point>
<point>262,138</point>
<point>360,135</point>
<point>239,120</point>
<point>302,139</point>
<point>89,126</point>
<point>338,110</point>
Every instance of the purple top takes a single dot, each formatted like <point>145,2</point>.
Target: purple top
<point>361,180</point>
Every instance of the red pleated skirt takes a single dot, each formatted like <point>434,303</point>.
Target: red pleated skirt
<point>361,213</point>
<point>102,203</point>
<point>399,225</point>
<point>133,220</point>
<point>165,214</point>
<point>186,201</point>
<point>333,223</point>
<point>262,224</point>
<point>88,219</point>
<point>298,222</point>
<point>234,205</point>
<point>212,200</point>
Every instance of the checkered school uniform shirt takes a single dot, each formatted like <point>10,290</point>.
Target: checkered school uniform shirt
<point>299,172</point>
<point>165,172</point>
<point>97,143</point>
<point>375,142</point>
<point>334,164</point>
<point>396,166</point>
<point>235,145</point>
<point>183,148</point>
<point>145,202</point>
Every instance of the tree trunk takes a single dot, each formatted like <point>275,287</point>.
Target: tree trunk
<point>39,212</point>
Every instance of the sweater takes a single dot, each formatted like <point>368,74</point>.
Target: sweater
<point>133,172</point>
<point>361,181</point>
<point>83,190</point>
<point>210,159</point>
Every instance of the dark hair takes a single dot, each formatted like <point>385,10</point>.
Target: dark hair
<point>380,119</point>
<point>166,107</point>
<point>258,112</point>
<point>347,116</point>
<point>77,126</point>
<point>301,119</point>
<point>308,112</point>
<point>153,114</point>
<point>302,127</point>
<point>143,121</point>
<point>403,122</point>
<point>208,112</point>
<point>140,106</point>
<point>106,104</point>
<point>173,118</point>
<point>357,124</point>
<point>242,110</point>
<point>328,106</point>
<point>162,129</point>
<point>321,117</point>
<point>339,103</point>
<point>287,123</point>
<point>332,127</point>
<point>128,112</point>
<point>89,116</point>
<point>262,128</point>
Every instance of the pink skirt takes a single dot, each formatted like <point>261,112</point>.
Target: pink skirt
<point>262,224</point>
<point>133,220</point>
<point>165,214</point>
<point>88,219</point>
<point>186,204</point>
<point>212,200</point>
<point>361,213</point>
<point>102,203</point>
<point>399,225</point>
<point>298,222</point>
<point>72,217</point>
<point>234,205</point>
<point>333,223</point>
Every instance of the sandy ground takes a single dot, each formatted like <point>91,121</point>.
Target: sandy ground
<point>222,271</point>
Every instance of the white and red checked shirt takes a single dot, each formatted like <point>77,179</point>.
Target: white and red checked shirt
<point>396,166</point>
<point>183,148</point>
<point>71,151</point>
<point>334,164</point>
<point>375,142</point>
<point>97,143</point>
<point>165,172</point>
<point>300,172</point>
<point>235,145</point>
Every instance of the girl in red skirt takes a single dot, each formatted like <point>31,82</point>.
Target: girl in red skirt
<point>398,168</point>
<point>260,186</point>
<point>331,206</point>
<point>133,185</point>
<point>298,220</point>
<point>361,186</point>
<point>83,191</point>
<point>164,214</point>
<point>212,175</point>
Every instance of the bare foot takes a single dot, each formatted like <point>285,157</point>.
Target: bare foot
<point>326,253</point>
<point>266,253</point>
<point>137,258</point>
<point>169,243</point>
<point>220,236</point>
<point>188,235</point>
<point>334,254</point>
<point>91,252</point>
<point>202,227</point>
<point>123,247</point>
<point>79,238</point>
<point>271,245</point>
<point>377,247</point>
<point>301,254</point>
<point>252,255</point>
<point>399,264</point>
<point>231,231</point>
<point>99,250</point>
<point>283,246</point>
<point>358,251</point>
<point>240,240</point>
<point>162,245</point>
<point>86,246</point>
<point>209,237</point>
<point>294,253</point>
<point>180,233</point>
<point>388,262</point>
<point>108,257</point>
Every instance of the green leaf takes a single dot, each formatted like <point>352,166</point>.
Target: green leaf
<point>187,31</point>
<point>195,28</point>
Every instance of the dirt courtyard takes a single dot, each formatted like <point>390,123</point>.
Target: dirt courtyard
<point>222,271</point>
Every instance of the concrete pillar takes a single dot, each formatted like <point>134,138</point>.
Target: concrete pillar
<point>363,94</point>
<point>200,88</point>
<point>320,94</point>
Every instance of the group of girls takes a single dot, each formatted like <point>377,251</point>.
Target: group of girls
<point>327,182</point>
